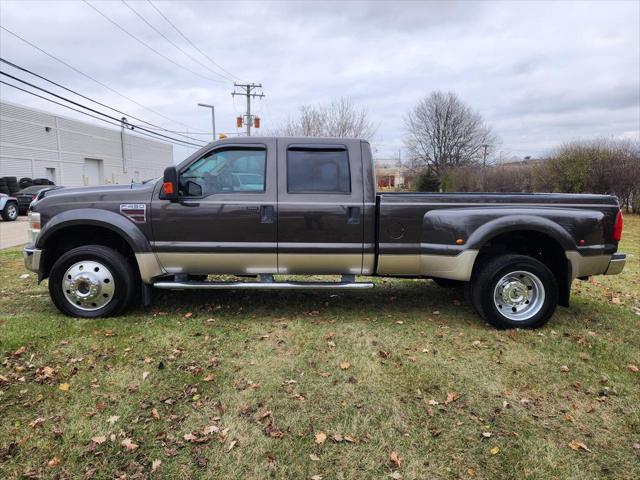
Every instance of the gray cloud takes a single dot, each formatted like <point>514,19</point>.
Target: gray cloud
<point>540,73</point>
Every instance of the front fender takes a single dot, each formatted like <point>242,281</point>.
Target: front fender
<point>99,218</point>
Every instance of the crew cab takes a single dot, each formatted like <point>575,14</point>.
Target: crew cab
<point>259,207</point>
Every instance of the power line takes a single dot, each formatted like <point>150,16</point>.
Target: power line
<point>141,17</point>
<point>91,78</point>
<point>91,99</point>
<point>88,114</point>
<point>116,24</point>
<point>91,109</point>
<point>191,43</point>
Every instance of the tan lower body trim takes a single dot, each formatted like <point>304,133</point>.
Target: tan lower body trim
<point>320,263</point>
<point>149,266</point>
<point>255,263</point>
<point>457,267</point>
<point>218,263</point>
<point>582,266</point>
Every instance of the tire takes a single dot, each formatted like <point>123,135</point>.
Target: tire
<point>25,182</point>
<point>514,291</point>
<point>89,293</point>
<point>10,212</point>
<point>447,283</point>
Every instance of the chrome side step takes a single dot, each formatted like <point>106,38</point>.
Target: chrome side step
<point>194,285</point>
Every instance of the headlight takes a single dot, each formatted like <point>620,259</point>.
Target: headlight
<point>34,226</point>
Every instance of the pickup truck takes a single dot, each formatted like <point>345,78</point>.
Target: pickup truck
<point>263,206</point>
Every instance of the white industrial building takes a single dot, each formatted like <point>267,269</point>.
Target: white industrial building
<point>72,153</point>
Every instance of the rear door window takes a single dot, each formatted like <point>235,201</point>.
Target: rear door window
<point>318,170</point>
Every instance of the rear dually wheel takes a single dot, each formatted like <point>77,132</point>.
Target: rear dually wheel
<point>511,291</point>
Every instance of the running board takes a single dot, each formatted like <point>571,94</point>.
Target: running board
<point>193,285</point>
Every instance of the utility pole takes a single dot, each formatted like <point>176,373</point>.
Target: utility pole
<point>213,118</point>
<point>484,166</point>
<point>247,90</point>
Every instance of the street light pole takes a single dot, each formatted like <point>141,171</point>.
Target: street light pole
<point>213,118</point>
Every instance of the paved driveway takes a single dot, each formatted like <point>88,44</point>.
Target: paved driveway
<point>14,233</point>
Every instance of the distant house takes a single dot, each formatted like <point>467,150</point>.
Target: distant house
<point>69,152</point>
<point>391,176</point>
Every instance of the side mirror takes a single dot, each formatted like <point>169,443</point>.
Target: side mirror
<point>169,190</point>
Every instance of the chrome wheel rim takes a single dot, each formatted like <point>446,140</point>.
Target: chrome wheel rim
<point>12,211</point>
<point>88,285</point>
<point>519,295</point>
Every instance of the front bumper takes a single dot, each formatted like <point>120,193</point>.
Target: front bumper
<point>616,265</point>
<point>31,257</point>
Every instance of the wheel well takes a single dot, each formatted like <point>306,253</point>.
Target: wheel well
<point>534,244</point>
<point>78,235</point>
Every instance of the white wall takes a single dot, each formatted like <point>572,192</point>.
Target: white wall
<point>27,149</point>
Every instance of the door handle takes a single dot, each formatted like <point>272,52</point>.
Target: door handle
<point>353,215</point>
<point>266,213</point>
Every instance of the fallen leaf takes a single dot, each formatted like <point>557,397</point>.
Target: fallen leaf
<point>155,465</point>
<point>210,377</point>
<point>231,445</point>
<point>316,477</point>
<point>472,472</point>
<point>486,434</point>
<point>188,315</point>
<point>495,450</point>
<point>19,352</point>
<point>564,369</point>
<point>128,444</point>
<point>210,429</point>
<point>113,419</point>
<point>633,368</point>
<point>155,414</point>
<point>189,437</point>
<point>99,440</point>
<point>345,365</point>
<point>321,437</point>
<point>395,475</point>
<point>395,458</point>
<point>145,375</point>
<point>37,422</point>
<point>575,445</point>
<point>64,387</point>
<point>54,462</point>
<point>451,397</point>
<point>314,457</point>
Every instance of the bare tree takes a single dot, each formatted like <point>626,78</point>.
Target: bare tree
<point>443,132</point>
<point>340,118</point>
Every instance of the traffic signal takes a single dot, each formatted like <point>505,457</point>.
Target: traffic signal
<point>256,122</point>
<point>239,122</point>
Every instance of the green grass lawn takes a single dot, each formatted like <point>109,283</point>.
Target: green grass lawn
<point>321,385</point>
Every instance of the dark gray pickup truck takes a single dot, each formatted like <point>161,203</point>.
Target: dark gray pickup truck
<point>297,206</point>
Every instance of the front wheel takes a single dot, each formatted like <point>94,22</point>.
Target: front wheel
<point>512,291</point>
<point>91,281</point>
<point>10,212</point>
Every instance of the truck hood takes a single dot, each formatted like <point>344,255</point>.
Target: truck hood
<point>107,197</point>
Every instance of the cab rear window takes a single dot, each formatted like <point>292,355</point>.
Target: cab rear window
<point>318,170</point>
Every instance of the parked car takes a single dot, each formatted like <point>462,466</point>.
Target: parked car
<point>27,195</point>
<point>310,207</point>
<point>8,207</point>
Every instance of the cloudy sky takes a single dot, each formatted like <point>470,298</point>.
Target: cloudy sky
<point>540,73</point>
